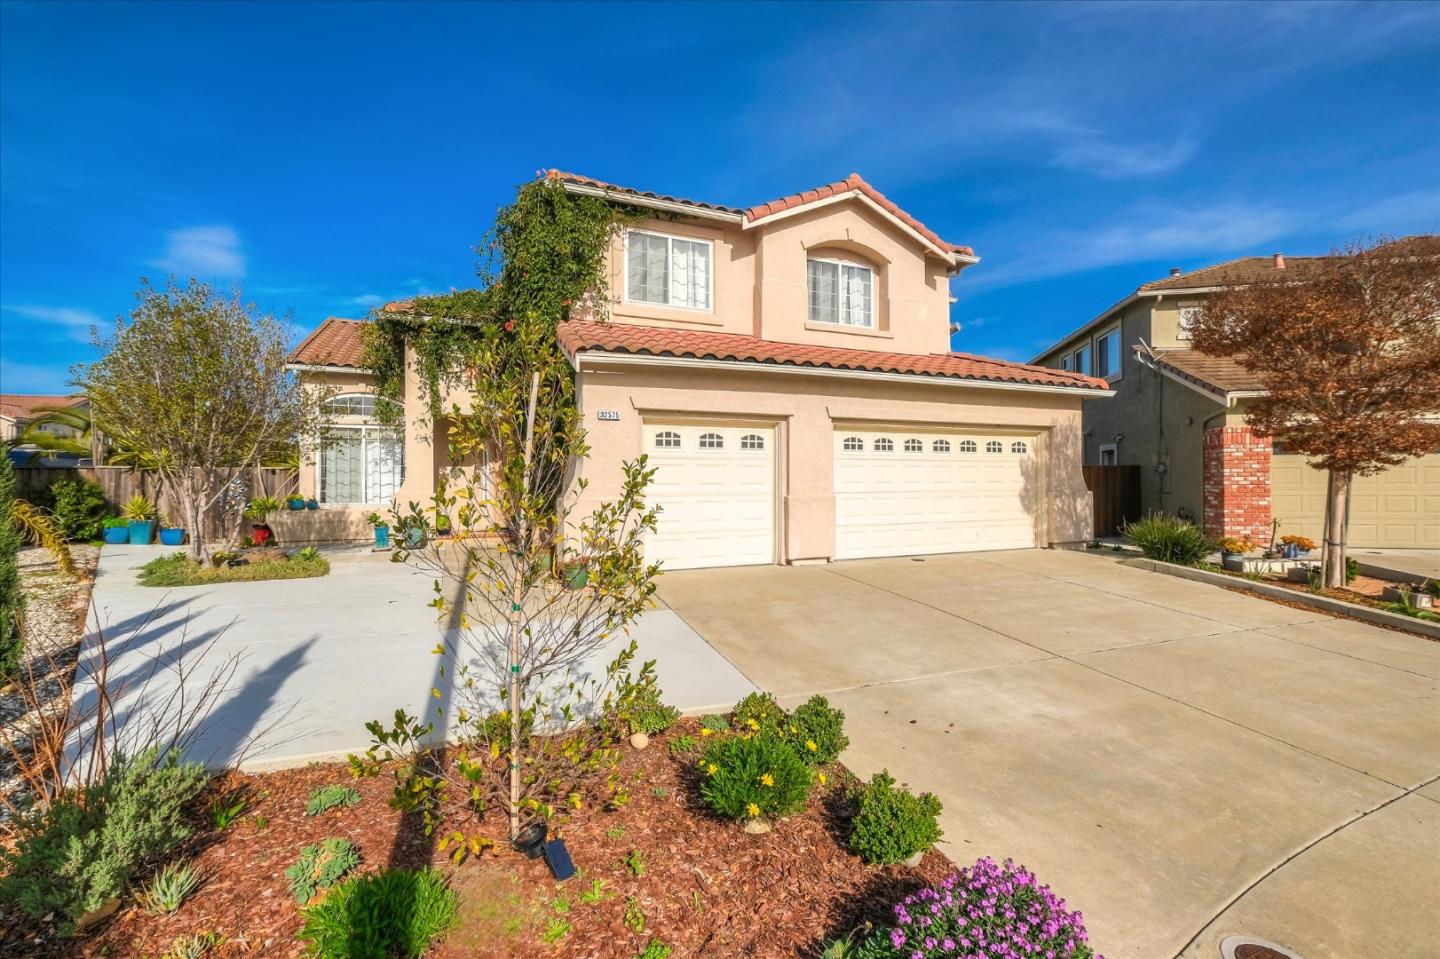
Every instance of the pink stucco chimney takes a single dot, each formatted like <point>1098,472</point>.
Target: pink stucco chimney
<point>1279,261</point>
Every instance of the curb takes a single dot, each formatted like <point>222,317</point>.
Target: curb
<point>1365,613</point>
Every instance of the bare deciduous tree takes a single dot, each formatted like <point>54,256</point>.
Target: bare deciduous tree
<point>1348,352</point>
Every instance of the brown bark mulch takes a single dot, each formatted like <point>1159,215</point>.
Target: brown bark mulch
<point>708,889</point>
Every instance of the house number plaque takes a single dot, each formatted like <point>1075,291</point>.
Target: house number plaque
<point>608,414</point>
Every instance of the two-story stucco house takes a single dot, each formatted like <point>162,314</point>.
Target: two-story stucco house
<point>787,369</point>
<point>1179,415</point>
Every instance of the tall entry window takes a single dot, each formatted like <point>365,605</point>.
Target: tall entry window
<point>361,462</point>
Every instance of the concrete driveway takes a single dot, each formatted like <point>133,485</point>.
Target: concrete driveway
<point>1181,762</point>
<point>321,657</point>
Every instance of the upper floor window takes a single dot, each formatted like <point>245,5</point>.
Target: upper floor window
<point>1107,354</point>
<point>1189,313</point>
<point>1082,360</point>
<point>352,404</point>
<point>841,293</point>
<point>667,270</point>
<point>1067,362</point>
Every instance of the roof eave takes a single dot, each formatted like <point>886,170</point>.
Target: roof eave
<point>855,193</point>
<point>579,356</point>
<point>668,206</point>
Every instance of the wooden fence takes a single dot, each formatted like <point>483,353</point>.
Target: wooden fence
<point>1116,494</point>
<point>122,482</point>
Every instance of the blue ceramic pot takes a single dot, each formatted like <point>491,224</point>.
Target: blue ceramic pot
<point>295,504</point>
<point>382,537</point>
<point>141,532</point>
<point>116,535</point>
<point>311,504</point>
<point>172,536</point>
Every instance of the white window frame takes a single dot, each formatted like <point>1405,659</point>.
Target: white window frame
<point>889,446</point>
<point>840,265</point>
<point>853,444</point>
<point>994,446</point>
<point>366,431</point>
<point>969,446</point>
<point>940,446</point>
<point>752,441</point>
<point>669,303</point>
<point>711,441</point>
<point>666,436</point>
<point>1113,450</point>
<point>1019,447</point>
<point>1119,371</point>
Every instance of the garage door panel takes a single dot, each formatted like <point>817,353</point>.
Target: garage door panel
<point>1399,508</point>
<point>715,487</point>
<point>952,495</point>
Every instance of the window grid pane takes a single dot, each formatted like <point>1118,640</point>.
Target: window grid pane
<point>648,265</point>
<point>824,295</point>
<point>994,446</point>
<point>856,309</point>
<point>752,441</point>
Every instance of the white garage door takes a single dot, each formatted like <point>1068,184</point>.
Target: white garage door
<point>901,493</point>
<point>715,486</point>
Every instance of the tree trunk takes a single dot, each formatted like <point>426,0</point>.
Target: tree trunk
<point>1336,513</point>
<point>519,573</point>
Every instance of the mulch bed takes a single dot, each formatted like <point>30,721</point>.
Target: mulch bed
<point>708,889</point>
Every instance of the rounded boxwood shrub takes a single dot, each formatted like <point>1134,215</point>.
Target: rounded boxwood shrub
<point>398,912</point>
<point>893,824</point>
<point>756,712</point>
<point>972,911</point>
<point>750,776</point>
<point>816,731</point>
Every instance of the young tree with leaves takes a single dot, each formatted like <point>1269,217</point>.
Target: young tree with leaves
<point>1349,355</point>
<point>522,646</point>
<point>197,380</point>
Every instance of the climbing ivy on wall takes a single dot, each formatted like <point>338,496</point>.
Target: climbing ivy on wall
<point>542,261</point>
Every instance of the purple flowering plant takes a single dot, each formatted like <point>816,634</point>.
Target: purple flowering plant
<point>987,911</point>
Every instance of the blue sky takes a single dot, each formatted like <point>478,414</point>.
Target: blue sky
<point>328,157</point>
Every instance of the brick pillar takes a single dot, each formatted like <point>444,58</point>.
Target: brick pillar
<point>1237,483</point>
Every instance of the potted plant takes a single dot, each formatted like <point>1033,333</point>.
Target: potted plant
<point>295,502</point>
<point>171,534</point>
<point>1232,546</point>
<point>312,503</point>
<point>1296,547</point>
<point>575,574</point>
<point>117,531</point>
<point>1420,597</point>
<point>256,511</point>
<point>139,514</point>
<point>382,530</point>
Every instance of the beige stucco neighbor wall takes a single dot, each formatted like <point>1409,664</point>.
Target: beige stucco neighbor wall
<point>761,281</point>
<point>804,408</point>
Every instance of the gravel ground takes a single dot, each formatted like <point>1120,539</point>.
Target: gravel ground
<point>55,609</point>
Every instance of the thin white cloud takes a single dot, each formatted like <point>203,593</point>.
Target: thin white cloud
<point>74,322</point>
<point>367,300</point>
<point>1118,161</point>
<point>1415,212</point>
<point>33,378</point>
<point>1144,234</point>
<point>203,251</point>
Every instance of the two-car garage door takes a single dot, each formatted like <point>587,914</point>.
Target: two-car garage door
<point>900,493</point>
<point>897,492</point>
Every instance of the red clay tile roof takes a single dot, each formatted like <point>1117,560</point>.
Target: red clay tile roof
<point>854,183</point>
<point>21,406</point>
<point>1223,374</point>
<point>336,342</point>
<point>578,336</point>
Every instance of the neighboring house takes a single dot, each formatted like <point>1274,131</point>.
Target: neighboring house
<point>19,410</point>
<point>1179,415</point>
<point>787,369</point>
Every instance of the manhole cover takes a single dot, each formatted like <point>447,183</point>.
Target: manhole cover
<point>1251,947</point>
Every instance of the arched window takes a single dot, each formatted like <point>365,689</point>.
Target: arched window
<point>853,444</point>
<point>967,446</point>
<point>884,445</point>
<point>913,445</point>
<point>359,463</point>
<point>667,440</point>
<point>940,446</point>
<point>712,441</point>
<point>1018,446</point>
<point>752,441</point>
<point>994,446</point>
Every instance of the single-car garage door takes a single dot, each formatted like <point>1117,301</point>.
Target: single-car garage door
<point>900,493</point>
<point>1396,509</point>
<point>715,486</point>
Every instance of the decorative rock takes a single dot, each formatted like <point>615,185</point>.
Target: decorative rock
<point>639,740</point>
<point>914,860</point>
<point>757,826</point>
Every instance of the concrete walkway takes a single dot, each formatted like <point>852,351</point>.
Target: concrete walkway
<point>1416,563</point>
<point>321,657</point>
<point>1181,762</point>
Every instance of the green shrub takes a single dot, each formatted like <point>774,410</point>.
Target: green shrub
<point>307,553</point>
<point>320,866</point>
<point>79,508</point>
<point>748,776</point>
<point>170,887</point>
<point>893,824</point>
<point>816,731</point>
<point>757,711</point>
<point>639,705</point>
<point>393,913</point>
<point>1352,569</point>
<point>12,599</point>
<point>177,569</point>
<point>82,851</point>
<point>325,798</point>
<point>715,722</point>
<point>1169,539</point>
<point>655,949</point>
